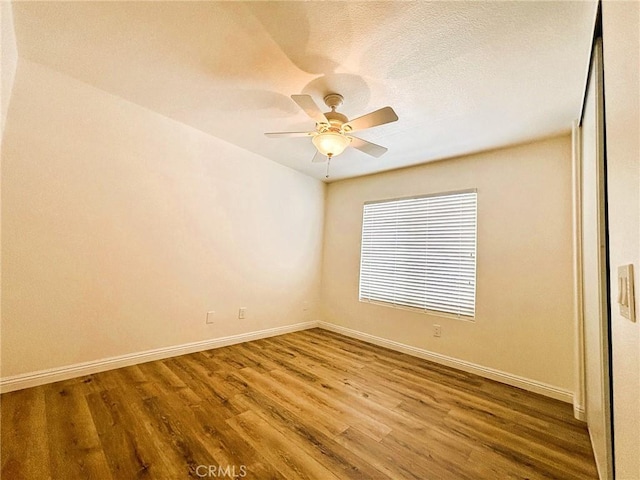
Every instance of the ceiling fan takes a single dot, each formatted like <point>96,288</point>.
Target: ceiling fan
<point>333,129</point>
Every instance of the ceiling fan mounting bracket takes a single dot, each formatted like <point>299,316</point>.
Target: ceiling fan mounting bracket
<point>333,100</point>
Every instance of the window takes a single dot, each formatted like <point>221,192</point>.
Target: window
<point>421,253</point>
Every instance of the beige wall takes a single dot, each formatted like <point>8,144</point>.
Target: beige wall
<point>122,228</point>
<point>524,319</point>
<point>9,54</point>
<point>621,41</point>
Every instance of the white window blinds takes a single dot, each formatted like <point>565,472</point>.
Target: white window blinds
<point>421,253</point>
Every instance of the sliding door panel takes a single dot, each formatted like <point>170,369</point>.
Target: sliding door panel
<point>594,284</point>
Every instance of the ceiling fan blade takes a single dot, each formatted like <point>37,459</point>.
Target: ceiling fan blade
<point>289,134</point>
<point>318,158</point>
<point>306,103</point>
<point>373,119</point>
<point>368,147</point>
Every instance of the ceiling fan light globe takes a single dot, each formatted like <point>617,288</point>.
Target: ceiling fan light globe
<point>331,144</point>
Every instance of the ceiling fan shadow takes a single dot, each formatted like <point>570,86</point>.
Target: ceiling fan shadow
<point>265,103</point>
<point>289,25</point>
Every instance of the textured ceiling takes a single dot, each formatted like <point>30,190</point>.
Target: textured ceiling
<point>462,76</point>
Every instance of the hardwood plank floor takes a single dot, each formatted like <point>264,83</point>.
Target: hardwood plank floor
<point>307,405</point>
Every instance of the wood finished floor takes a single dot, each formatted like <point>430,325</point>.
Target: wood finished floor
<point>311,404</point>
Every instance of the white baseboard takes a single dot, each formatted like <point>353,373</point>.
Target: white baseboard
<point>486,372</point>
<point>41,377</point>
<point>579,412</point>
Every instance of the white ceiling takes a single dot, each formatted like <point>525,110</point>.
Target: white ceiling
<point>462,76</point>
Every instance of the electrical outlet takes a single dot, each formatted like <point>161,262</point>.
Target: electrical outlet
<point>210,316</point>
<point>437,330</point>
<point>242,312</point>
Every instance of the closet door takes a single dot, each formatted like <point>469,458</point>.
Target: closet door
<point>594,271</point>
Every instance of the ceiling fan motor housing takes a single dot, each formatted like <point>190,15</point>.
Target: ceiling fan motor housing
<point>336,120</point>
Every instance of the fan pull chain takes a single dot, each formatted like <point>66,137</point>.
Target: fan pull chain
<point>328,163</point>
